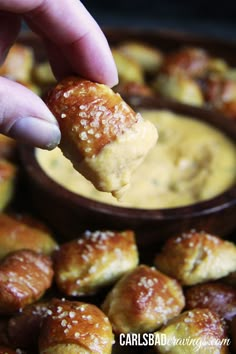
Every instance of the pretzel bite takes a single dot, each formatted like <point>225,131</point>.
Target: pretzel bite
<point>18,63</point>
<point>101,135</point>
<point>196,257</point>
<point>197,331</point>
<point>142,301</point>
<point>192,62</point>
<point>75,327</point>
<point>43,75</point>
<point>24,327</point>
<point>148,57</point>
<point>18,232</point>
<point>218,297</point>
<point>134,89</point>
<point>129,70</point>
<point>179,87</point>
<point>7,182</point>
<point>220,93</point>
<point>24,277</point>
<point>97,259</point>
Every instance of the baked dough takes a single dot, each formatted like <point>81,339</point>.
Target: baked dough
<point>196,257</point>
<point>188,61</point>
<point>24,277</point>
<point>202,330</point>
<point>101,135</point>
<point>24,232</point>
<point>143,300</point>
<point>95,260</point>
<point>75,327</point>
<point>218,297</point>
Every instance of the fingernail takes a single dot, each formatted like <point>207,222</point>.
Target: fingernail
<point>36,132</point>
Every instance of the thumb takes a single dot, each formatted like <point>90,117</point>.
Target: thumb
<point>25,117</point>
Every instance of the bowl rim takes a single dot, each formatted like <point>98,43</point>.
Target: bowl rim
<point>220,202</point>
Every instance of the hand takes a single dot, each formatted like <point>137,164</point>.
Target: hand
<point>75,44</point>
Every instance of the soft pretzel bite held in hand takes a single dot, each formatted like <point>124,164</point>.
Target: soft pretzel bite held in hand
<point>95,260</point>
<point>101,135</point>
<point>143,300</point>
<point>197,331</point>
<point>24,277</point>
<point>218,297</point>
<point>196,257</point>
<point>21,232</point>
<point>75,327</point>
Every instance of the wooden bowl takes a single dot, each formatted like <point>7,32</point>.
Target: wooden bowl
<point>70,213</point>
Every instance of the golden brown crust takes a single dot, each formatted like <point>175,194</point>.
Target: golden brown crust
<point>93,261</point>
<point>90,116</point>
<point>196,257</point>
<point>218,297</point>
<point>77,325</point>
<point>23,232</point>
<point>143,300</point>
<point>188,61</point>
<point>202,328</point>
<point>101,135</point>
<point>24,277</point>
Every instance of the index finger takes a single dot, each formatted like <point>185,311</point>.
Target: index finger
<point>72,29</point>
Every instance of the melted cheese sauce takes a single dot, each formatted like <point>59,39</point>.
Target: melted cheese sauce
<point>191,162</point>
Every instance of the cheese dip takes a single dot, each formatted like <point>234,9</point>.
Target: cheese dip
<point>191,162</point>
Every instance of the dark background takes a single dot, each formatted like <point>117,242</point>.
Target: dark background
<point>215,18</point>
